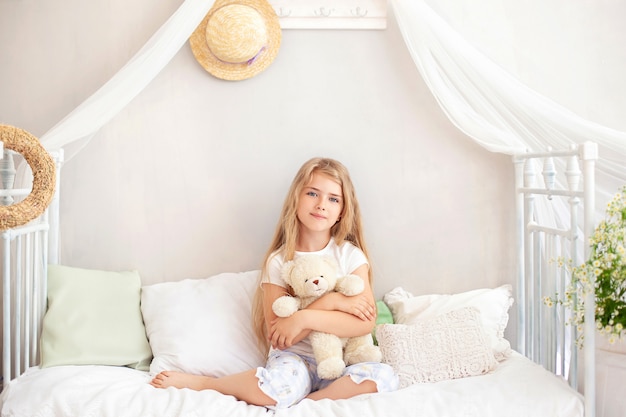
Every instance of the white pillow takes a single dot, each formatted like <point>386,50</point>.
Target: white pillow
<point>493,305</point>
<point>451,345</point>
<point>202,326</point>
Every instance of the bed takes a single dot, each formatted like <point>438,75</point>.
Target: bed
<point>449,350</point>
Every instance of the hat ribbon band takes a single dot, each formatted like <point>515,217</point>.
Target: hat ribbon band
<point>248,62</point>
<point>251,60</point>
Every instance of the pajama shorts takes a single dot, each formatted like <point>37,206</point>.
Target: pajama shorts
<point>288,377</point>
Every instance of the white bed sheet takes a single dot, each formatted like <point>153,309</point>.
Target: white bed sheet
<point>517,387</point>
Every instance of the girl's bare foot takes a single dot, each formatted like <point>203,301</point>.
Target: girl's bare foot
<point>174,379</point>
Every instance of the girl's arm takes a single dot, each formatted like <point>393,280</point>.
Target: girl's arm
<point>270,293</point>
<point>284,332</point>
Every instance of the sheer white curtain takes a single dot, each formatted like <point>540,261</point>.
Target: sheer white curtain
<point>77,128</point>
<point>494,108</point>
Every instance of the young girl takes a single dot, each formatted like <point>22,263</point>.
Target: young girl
<point>320,215</point>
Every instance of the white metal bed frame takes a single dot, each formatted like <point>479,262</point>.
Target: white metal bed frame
<point>549,184</point>
<point>27,250</point>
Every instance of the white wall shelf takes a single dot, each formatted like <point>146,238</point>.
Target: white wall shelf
<point>331,14</point>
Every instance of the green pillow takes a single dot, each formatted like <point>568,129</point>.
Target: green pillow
<point>383,316</point>
<point>94,318</point>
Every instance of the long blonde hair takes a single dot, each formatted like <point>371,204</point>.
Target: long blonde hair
<point>349,228</point>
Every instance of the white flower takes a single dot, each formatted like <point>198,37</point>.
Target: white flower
<point>607,265</point>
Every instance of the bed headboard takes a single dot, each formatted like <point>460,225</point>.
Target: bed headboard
<point>26,252</point>
<point>555,207</point>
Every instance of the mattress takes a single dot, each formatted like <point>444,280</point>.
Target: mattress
<point>517,387</point>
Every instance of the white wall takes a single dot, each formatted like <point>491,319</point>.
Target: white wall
<point>188,179</point>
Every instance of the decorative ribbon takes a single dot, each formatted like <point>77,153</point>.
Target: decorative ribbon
<point>251,60</point>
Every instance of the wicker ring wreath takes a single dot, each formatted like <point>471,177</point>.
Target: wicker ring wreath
<point>44,177</point>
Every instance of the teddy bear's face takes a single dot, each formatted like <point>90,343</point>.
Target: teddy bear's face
<point>311,276</point>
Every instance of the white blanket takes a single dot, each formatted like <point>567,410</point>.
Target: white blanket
<point>517,387</point>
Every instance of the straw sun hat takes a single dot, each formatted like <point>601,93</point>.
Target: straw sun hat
<point>237,39</point>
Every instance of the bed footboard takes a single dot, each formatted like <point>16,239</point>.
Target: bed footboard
<point>555,216</point>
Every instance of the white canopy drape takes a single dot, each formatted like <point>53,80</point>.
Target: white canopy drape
<point>480,98</point>
<point>77,128</point>
<point>494,108</point>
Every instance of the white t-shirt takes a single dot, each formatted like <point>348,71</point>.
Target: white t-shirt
<point>348,258</point>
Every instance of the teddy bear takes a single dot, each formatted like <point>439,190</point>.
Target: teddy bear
<point>310,277</point>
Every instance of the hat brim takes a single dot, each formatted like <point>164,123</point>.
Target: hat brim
<point>240,71</point>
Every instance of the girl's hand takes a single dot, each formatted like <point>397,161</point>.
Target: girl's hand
<point>358,305</point>
<point>284,332</point>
